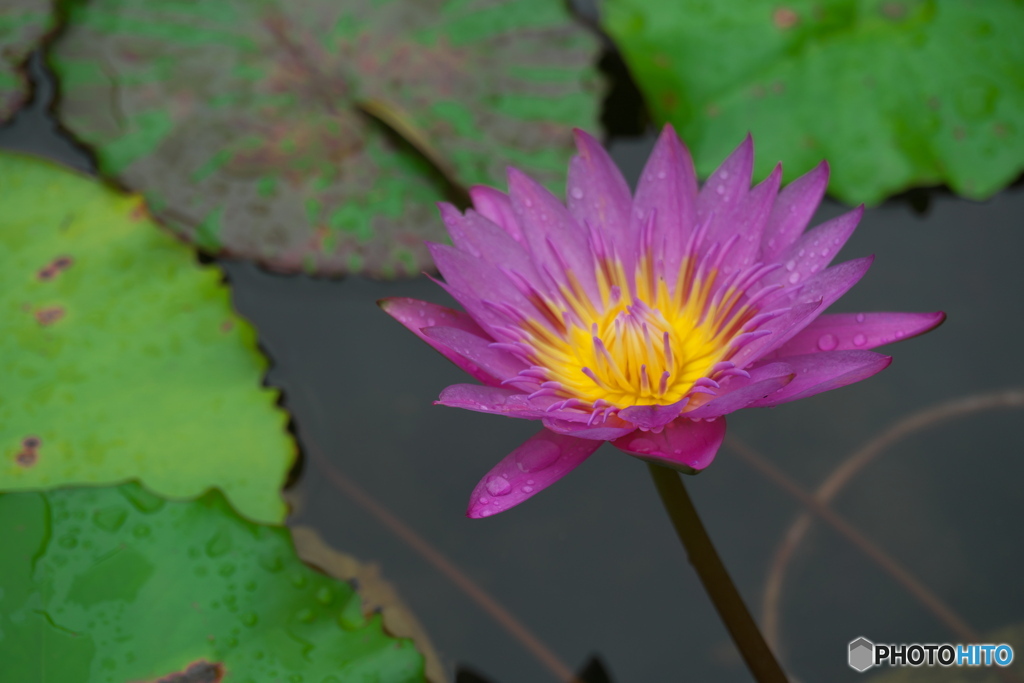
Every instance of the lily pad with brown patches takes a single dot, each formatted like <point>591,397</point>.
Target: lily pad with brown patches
<point>120,355</point>
<point>316,135</point>
<point>23,24</point>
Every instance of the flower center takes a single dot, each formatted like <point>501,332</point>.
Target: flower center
<point>649,347</point>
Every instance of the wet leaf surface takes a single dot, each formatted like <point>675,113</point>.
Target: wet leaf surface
<point>267,130</point>
<point>894,93</point>
<point>23,23</point>
<point>121,356</point>
<point>117,584</point>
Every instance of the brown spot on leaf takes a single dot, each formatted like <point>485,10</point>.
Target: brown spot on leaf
<point>894,10</point>
<point>934,102</point>
<point>55,268</point>
<point>199,672</point>
<point>959,133</point>
<point>785,17</point>
<point>48,316</point>
<point>29,453</point>
<point>227,326</point>
<point>713,110</point>
<point>1000,130</point>
<point>778,87</point>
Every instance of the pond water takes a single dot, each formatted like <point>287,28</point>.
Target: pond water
<point>591,566</point>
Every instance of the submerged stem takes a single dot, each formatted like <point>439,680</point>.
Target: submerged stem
<point>712,573</point>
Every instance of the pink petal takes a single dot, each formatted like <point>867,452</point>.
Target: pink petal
<point>476,351</point>
<point>749,222</point>
<point>815,249</point>
<point>740,392</point>
<point>821,290</point>
<point>724,192</point>
<point>792,212</point>
<point>780,328</point>
<point>507,402</point>
<point>653,417</point>
<point>556,241</point>
<point>472,282</point>
<point>598,195</point>
<point>844,331</point>
<point>537,464</point>
<point>610,430</point>
<point>417,315</point>
<point>496,206</point>
<point>818,372</point>
<point>483,239</point>
<point>684,445</point>
<point>668,187</point>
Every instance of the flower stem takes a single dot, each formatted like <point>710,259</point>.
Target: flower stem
<point>715,578</point>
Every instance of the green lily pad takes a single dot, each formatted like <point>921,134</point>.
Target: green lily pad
<point>120,356</point>
<point>254,127</point>
<point>23,23</point>
<point>115,584</point>
<point>894,93</point>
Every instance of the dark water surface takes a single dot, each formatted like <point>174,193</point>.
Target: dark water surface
<point>592,565</point>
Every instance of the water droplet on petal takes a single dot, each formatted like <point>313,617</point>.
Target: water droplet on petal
<point>802,252</point>
<point>642,445</point>
<point>528,202</point>
<point>860,340</point>
<point>771,242</point>
<point>534,456</point>
<point>720,189</point>
<point>790,265</point>
<point>860,317</point>
<point>826,251</point>
<point>497,486</point>
<point>815,268</point>
<point>723,174</point>
<point>527,489</point>
<point>827,342</point>
<point>486,513</point>
<point>483,500</point>
<point>576,193</point>
<point>794,278</point>
<point>661,175</point>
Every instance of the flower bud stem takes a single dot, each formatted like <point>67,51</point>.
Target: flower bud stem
<point>713,575</point>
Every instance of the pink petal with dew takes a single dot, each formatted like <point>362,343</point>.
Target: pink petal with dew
<point>556,240</point>
<point>796,317</point>
<point>739,392</point>
<point>793,210</point>
<point>668,187</point>
<point>821,290</point>
<point>846,331</point>
<point>610,430</point>
<point>653,417</point>
<point>537,464</point>
<point>750,220</point>
<point>818,372</point>
<point>417,315</point>
<point>685,445</point>
<point>724,192</point>
<point>815,249</point>
<point>497,207</point>
<point>477,351</point>
<point>473,282</point>
<point>507,402</point>
<point>597,195</point>
<point>480,237</point>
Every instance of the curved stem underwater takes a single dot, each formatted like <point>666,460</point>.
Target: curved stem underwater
<point>713,575</point>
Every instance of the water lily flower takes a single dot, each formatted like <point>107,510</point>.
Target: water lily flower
<point>643,320</point>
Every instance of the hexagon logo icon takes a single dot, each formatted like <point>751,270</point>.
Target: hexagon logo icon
<point>862,654</point>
